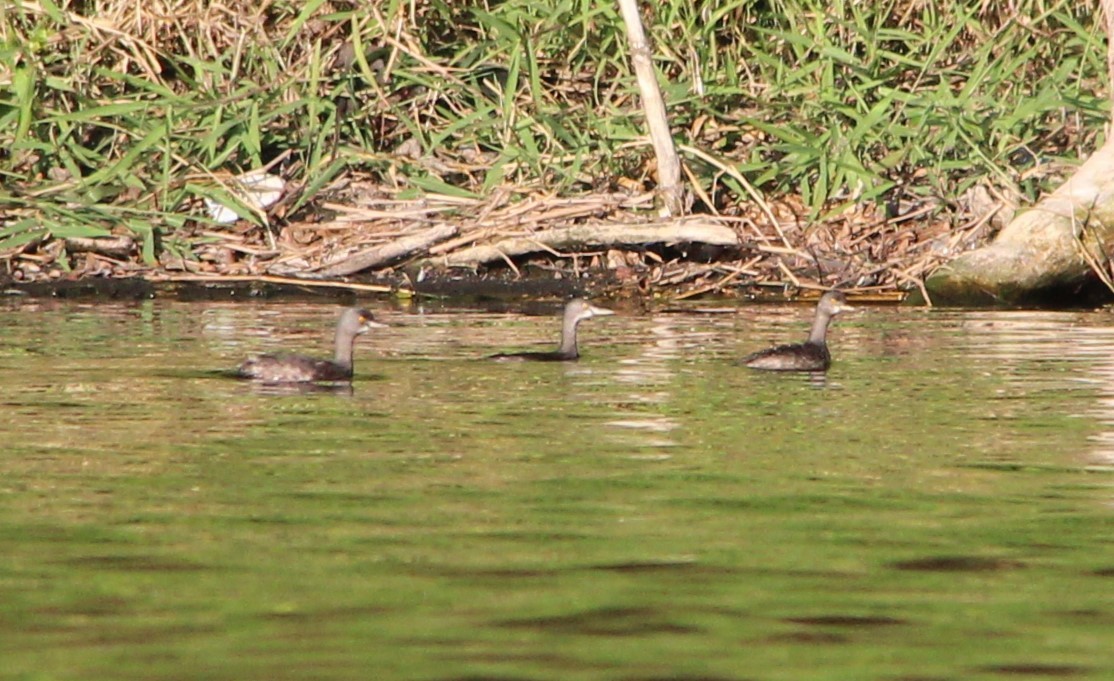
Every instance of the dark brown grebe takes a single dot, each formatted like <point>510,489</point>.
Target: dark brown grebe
<point>289,368</point>
<point>812,355</point>
<point>576,311</point>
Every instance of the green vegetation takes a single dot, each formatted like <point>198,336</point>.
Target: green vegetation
<point>119,116</point>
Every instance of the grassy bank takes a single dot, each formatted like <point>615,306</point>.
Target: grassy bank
<point>120,120</point>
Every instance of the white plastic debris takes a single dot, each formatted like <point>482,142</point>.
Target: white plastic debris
<point>256,189</point>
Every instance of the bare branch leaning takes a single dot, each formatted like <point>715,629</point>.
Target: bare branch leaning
<point>594,236</point>
<point>343,264</point>
<point>669,167</point>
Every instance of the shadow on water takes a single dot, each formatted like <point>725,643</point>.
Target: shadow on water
<point>959,564</point>
<point>605,622</point>
<point>134,563</point>
<point>268,388</point>
<point>1037,670</point>
<point>846,621</point>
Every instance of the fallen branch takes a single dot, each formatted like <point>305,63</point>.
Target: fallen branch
<point>593,236</point>
<point>343,264</point>
<point>112,246</point>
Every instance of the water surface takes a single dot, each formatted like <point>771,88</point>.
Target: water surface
<point>939,506</point>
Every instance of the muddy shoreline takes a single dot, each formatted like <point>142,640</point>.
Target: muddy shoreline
<point>463,289</point>
<point>441,286</point>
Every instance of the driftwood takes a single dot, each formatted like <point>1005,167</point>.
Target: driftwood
<point>593,236</point>
<point>343,264</point>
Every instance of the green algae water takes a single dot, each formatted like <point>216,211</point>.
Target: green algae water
<point>939,506</point>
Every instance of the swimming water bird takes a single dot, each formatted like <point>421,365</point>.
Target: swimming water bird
<point>290,368</point>
<point>576,311</point>
<point>813,354</point>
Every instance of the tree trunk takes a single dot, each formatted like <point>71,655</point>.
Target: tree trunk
<point>1052,249</point>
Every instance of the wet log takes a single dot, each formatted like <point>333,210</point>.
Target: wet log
<point>582,237</point>
<point>341,265</point>
<point>1044,253</point>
